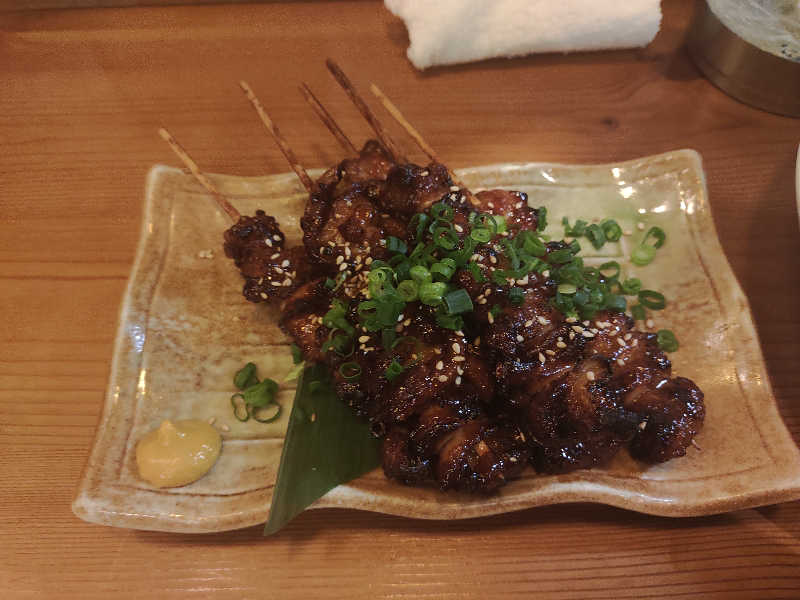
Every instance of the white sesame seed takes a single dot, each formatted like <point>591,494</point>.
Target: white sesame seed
<point>285,264</point>
<point>571,320</point>
<point>490,317</point>
<point>541,358</point>
<point>628,336</point>
<point>407,322</point>
<point>542,320</point>
<point>520,338</point>
<point>586,323</point>
<point>276,283</point>
<point>459,358</point>
<point>276,255</point>
<point>458,380</point>
<point>590,375</point>
<point>560,345</point>
<point>477,341</point>
<point>640,226</point>
<point>546,273</point>
<point>364,338</point>
<point>620,362</point>
<point>268,242</point>
<point>459,370</point>
<point>635,343</point>
<point>518,205</point>
<point>368,260</point>
<point>263,295</point>
<point>529,322</point>
<point>550,352</point>
<point>225,428</point>
<point>279,270</point>
<point>454,188</point>
<point>442,378</point>
<point>482,300</point>
<point>587,334</point>
<point>456,348</point>
<point>572,335</point>
<point>458,228</point>
<point>488,292</point>
<point>331,243</point>
<point>276,237</point>
<point>343,267</point>
<point>212,420</point>
<point>339,259</point>
<point>347,252</point>
<point>425,173</point>
<point>287,282</point>
<point>577,329</point>
<point>523,281</point>
<point>493,259</point>
<point>620,341</point>
<point>649,323</point>
<point>439,365</point>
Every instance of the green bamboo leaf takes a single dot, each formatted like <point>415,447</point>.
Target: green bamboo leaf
<point>326,444</point>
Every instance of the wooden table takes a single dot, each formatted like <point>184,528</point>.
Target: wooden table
<point>82,94</point>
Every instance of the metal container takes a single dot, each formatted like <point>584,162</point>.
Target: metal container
<point>766,80</point>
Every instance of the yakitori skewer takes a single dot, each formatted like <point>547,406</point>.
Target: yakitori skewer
<point>307,182</point>
<point>326,118</point>
<point>365,111</point>
<point>198,175</point>
<point>398,116</point>
<point>408,127</point>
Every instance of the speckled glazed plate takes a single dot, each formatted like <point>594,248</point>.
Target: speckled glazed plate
<point>185,328</point>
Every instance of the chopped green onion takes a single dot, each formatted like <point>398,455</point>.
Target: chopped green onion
<point>643,255</point>
<point>652,299</point>
<point>388,336</point>
<point>475,271</point>
<point>458,302</point>
<point>431,293</point>
<point>440,210</point>
<point>612,266</point>
<point>596,236</point>
<point>446,267</point>
<point>495,310</point>
<point>394,244</point>
<point>420,274</point>
<point>408,290</point>
<point>576,230</point>
<point>245,377</point>
<point>330,283</point>
<point>261,394</point>
<point>611,229</point>
<point>393,370</point>
<point>481,234</point>
<point>445,238</point>
<point>561,256</point>
<point>667,340</point>
<point>257,411</point>
<point>659,236</point>
<point>631,287</point>
<point>566,288</point>
<point>297,354</point>
<point>516,296</point>
<point>350,371</point>
<point>240,408</point>
<point>541,218</point>
<point>638,312</point>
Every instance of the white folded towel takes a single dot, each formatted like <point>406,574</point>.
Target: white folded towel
<point>456,31</point>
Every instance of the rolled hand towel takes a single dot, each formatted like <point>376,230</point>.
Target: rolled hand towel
<point>456,31</point>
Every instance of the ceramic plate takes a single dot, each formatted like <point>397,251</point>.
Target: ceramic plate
<point>185,328</point>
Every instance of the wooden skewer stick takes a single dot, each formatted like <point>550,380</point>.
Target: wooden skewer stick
<point>326,118</point>
<point>403,122</point>
<point>307,182</point>
<point>365,111</point>
<point>199,176</point>
<point>398,116</point>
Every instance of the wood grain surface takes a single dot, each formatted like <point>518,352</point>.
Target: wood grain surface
<point>82,94</point>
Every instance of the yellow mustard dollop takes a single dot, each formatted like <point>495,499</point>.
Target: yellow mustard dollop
<point>178,453</point>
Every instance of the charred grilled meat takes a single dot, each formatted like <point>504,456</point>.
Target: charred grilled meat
<point>436,311</point>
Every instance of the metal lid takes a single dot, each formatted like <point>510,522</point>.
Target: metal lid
<point>743,70</point>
